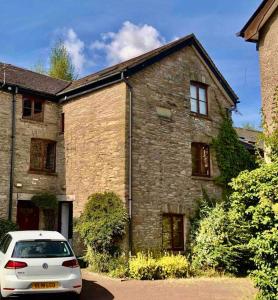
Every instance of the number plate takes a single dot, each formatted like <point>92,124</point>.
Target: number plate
<point>45,285</point>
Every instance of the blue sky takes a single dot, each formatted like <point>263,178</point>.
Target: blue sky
<point>30,27</point>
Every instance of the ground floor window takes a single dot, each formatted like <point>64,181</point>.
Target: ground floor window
<point>172,232</point>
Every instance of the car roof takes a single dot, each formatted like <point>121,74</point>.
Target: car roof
<point>36,234</point>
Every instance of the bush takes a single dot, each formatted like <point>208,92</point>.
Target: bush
<point>143,266</point>
<point>173,266</point>
<point>254,208</point>
<point>266,258</point>
<point>213,248</point>
<point>102,224</point>
<point>6,226</point>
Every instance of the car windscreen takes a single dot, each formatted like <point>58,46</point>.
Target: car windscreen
<point>41,249</point>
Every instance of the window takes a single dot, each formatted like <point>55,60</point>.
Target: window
<point>172,232</point>
<point>32,108</point>
<point>62,122</point>
<point>41,249</point>
<point>200,159</point>
<point>5,243</point>
<point>198,98</point>
<point>43,155</point>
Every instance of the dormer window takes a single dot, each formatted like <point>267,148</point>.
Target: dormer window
<point>198,98</point>
<point>32,108</point>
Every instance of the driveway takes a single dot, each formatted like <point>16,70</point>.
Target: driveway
<point>97,287</point>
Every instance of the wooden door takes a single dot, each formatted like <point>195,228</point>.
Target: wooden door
<point>27,215</point>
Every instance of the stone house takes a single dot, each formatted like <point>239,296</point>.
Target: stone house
<point>262,29</point>
<point>141,128</point>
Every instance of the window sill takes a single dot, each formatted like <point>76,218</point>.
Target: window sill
<point>42,173</point>
<point>208,178</point>
<point>195,115</point>
<point>32,121</point>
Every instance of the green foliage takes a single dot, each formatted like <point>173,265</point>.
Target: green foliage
<point>143,266</point>
<point>213,248</point>
<point>254,207</point>
<point>104,262</point>
<point>146,267</point>
<point>61,66</point>
<point>102,223</point>
<point>173,266</point>
<point>266,260</point>
<point>6,226</point>
<point>232,157</point>
<point>45,201</point>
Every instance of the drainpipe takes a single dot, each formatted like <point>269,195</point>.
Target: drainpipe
<point>10,208</point>
<point>130,119</point>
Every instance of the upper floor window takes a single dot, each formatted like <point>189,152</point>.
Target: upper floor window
<point>172,232</point>
<point>33,108</point>
<point>43,155</point>
<point>200,159</point>
<point>198,98</point>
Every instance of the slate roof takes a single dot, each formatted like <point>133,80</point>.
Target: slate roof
<point>33,81</point>
<point>139,62</point>
<point>30,80</point>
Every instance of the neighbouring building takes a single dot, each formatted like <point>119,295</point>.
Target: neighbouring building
<point>262,29</point>
<point>141,128</point>
<point>251,139</point>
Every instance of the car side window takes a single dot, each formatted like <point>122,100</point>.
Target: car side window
<point>5,243</point>
<point>2,242</point>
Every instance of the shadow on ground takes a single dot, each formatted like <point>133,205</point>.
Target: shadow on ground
<point>90,291</point>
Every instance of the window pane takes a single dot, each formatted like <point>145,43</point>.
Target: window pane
<point>27,108</point>
<point>36,155</point>
<point>178,232</point>
<point>203,108</point>
<point>195,154</point>
<point>38,110</point>
<point>193,91</point>
<point>41,249</point>
<point>194,105</point>
<point>166,232</point>
<point>202,94</point>
<point>205,160</point>
<point>50,157</point>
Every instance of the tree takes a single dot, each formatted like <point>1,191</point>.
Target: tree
<point>61,66</point>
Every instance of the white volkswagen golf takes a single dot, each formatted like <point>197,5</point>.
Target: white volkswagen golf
<point>38,262</point>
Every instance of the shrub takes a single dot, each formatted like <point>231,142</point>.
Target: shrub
<point>254,207</point>
<point>266,258</point>
<point>45,201</point>
<point>173,266</point>
<point>6,226</point>
<point>102,223</point>
<point>213,249</point>
<point>144,266</point>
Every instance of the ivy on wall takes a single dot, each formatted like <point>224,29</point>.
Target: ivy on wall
<point>231,155</point>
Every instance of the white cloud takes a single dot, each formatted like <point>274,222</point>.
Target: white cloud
<point>130,41</point>
<point>75,48</point>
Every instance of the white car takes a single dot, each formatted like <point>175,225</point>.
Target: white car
<point>38,262</point>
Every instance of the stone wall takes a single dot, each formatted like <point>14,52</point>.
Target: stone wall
<point>5,143</point>
<point>268,51</point>
<point>25,130</point>
<point>162,181</point>
<point>95,144</point>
